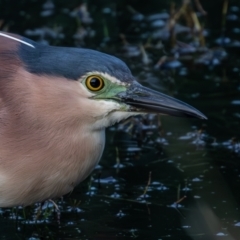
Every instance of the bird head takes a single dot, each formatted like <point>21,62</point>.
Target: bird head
<point>116,99</point>
<point>114,94</point>
<point>107,90</point>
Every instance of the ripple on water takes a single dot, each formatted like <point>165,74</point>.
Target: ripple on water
<point>108,180</point>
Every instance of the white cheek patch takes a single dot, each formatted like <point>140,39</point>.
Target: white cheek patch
<point>118,116</point>
<point>110,113</point>
<point>16,39</point>
<point>107,107</point>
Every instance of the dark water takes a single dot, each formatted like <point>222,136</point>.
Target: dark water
<point>160,177</point>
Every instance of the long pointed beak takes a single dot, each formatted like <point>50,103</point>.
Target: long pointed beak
<point>142,99</point>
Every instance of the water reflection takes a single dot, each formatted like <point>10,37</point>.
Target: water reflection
<point>160,177</point>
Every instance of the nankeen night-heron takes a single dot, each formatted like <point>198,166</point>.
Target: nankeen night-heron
<point>55,103</point>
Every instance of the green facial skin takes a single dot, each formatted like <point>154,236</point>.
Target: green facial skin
<point>110,92</point>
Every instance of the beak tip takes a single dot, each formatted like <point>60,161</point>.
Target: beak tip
<point>202,116</point>
<point>196,114</point>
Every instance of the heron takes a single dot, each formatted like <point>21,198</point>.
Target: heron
<point>55,104</point>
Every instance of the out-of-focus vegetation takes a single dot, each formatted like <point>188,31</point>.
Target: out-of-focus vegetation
<point>160,177</point>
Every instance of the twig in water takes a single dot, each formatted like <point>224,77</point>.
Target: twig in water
<point>148,184</point>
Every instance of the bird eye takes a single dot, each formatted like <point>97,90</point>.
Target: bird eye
<point>94,83</point>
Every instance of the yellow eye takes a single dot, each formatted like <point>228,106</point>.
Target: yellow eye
<point>94,83</point>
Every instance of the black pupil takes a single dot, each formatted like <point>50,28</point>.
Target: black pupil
<point>95,83</point>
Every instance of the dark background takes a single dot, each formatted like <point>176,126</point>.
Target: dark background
<point>160,177</point>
